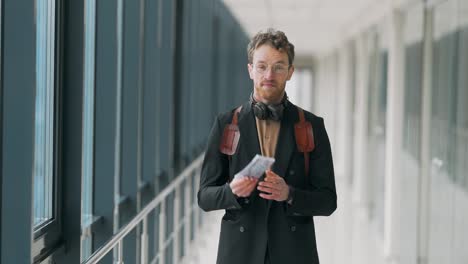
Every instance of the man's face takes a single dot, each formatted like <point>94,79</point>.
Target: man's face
<point>269,71</point>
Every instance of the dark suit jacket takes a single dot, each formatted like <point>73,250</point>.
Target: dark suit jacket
<point>251,224</point>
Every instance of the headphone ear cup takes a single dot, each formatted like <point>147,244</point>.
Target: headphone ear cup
<point>263,111</point>
<point>276,111</point>
<point>260,110</point>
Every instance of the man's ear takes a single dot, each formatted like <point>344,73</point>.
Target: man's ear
<point>290,72</point>
<point>250,68</point>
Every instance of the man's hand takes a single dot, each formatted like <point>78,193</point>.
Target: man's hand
<point>274,186</point>
<point>243,186</point>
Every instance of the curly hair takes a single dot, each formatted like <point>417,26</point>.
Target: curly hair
<point>275,38</point>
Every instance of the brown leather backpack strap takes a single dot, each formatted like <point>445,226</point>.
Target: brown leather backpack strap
<point>236,114</point>
<point>306,154</point>
<point>304,138</point>
<point>231,135</point>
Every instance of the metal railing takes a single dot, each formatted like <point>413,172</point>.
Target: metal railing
<point>189,180</point>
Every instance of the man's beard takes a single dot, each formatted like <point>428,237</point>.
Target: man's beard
<point>269,94</point>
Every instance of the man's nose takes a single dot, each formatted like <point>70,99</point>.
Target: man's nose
<point>269,74</point>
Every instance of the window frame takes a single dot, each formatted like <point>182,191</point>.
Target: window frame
<point>1,113</point>
<point>47,236</point>
<point>87,216</point>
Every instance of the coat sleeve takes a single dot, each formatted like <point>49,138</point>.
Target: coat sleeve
<point>215,192</point>
<point>320,198</point>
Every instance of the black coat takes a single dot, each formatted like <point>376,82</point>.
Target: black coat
<point>250,224</point>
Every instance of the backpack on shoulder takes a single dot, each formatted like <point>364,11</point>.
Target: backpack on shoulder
<point>303,134</point>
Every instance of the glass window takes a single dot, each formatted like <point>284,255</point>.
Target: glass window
<point>443,85</point>
<point>88,127</point>
<point>461,129</point>
<point>44,137</point>
<point>377,103</point>
<point>299,87</point>
<point>411,130</point>
<point>413,36</point>
<point>460,241</point>
<point>443,138</point>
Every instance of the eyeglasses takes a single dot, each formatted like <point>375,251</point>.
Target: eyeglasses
<point>278,68</point>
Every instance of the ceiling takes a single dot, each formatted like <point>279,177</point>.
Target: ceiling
<point>313,26</point>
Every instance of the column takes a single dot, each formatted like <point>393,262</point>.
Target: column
<point>395,96</point>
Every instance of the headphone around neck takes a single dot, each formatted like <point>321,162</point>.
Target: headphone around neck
<point>269,111</point>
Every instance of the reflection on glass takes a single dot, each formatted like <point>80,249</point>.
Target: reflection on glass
<point>460,241</point>
<point>461,129</point>
<point>44,113</point>
<point>88,126</point>
<point>377,108</point>
<point>413,38</point>
<point>443,212</point>
<point>411,132</point>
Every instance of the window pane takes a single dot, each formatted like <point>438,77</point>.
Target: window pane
<point>44,119</point>
<point>377,108</point>
<point>88,126</point>
<point>442,190</point>
<point>460,240</point>
<point>411,131</point>
<point>413,37</point>
<point>462,100</point>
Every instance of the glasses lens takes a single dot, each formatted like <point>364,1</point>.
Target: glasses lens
<point>277,68</point>
<point>261,68</point>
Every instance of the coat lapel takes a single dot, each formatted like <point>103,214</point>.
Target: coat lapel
<point>286,142</point>
<point>248,129</point>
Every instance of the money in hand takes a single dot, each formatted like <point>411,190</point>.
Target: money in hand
<point>256,167</point>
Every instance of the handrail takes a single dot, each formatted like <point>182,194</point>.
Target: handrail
<point>116,239</point>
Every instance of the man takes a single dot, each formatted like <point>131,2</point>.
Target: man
<point>268,220</point>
